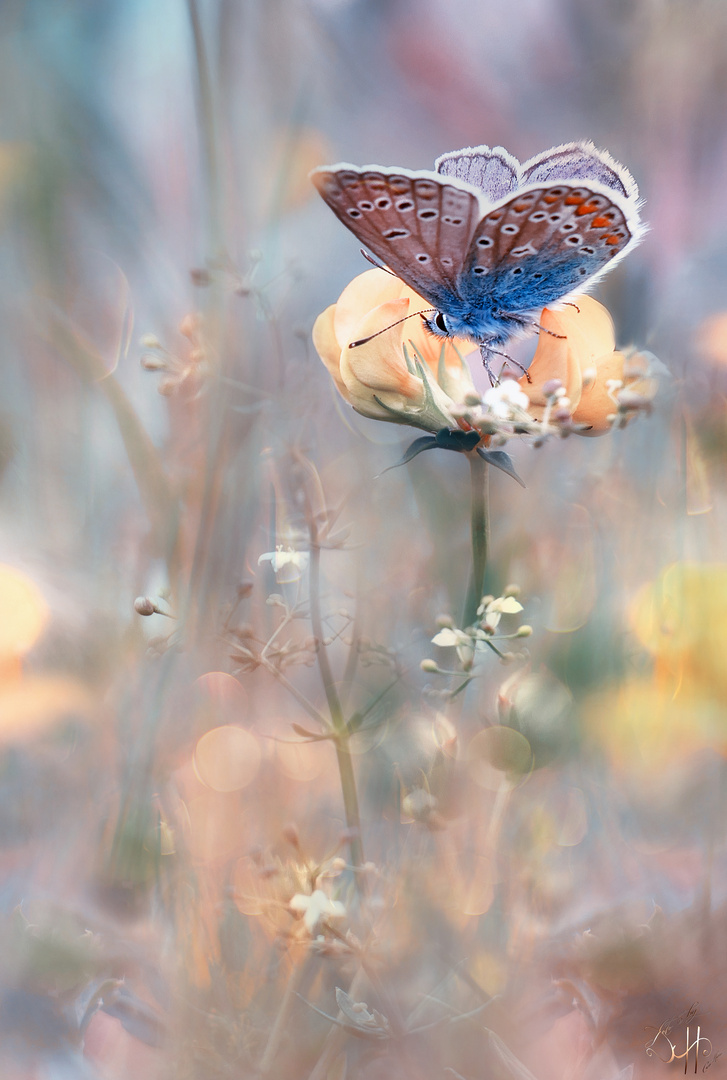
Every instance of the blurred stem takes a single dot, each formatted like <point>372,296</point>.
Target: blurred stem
<point>480,529</point>
<point>159,500</point>
<point>283,1017</point>
<point>338,721</point>
<point>208,134</point>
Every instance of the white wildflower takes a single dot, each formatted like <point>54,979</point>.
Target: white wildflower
<point>283,557</point>
<point>505,400</point>
<point>315,908</point>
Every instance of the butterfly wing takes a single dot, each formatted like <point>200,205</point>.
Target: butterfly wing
<point>579,162</point>
<point>491,169</point>
<point>419,224</point>
<point>544,243</point>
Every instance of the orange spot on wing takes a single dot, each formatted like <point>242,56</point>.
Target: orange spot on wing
<point>550,198</point>
<point>520,206</point>
<point>600,222</point>
<point>613,239</point>
<point>573,200</point>
<point>588,209</point>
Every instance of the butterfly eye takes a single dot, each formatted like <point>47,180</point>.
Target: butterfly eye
<point>440,323</point>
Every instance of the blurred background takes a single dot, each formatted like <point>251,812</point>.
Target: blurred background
<point>536,902</point>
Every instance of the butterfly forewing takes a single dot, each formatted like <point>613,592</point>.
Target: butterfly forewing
<point>545,242</point>
<point>420,226</point>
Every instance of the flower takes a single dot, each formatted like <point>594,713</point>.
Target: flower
<point>463,643</point>
<point>283,557</point>
<point>583,360</point>
<point>316,908</point>
<point>400,372</point>
<point>504,400</point>
<point>492,611</point>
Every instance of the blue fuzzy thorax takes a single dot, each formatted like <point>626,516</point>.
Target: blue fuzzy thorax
<point>491,307</point>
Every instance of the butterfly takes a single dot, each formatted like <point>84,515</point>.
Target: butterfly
<point>487,241</point>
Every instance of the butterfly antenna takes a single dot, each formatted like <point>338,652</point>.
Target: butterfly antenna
<point>365,340</point>
<point>378,265</point>
<point>545,330</point>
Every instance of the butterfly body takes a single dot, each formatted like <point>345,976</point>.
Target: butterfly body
<point>489,242</point>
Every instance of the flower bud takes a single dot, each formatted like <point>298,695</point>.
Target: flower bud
<point>144,605</point>
<point>429,666</point>
<point>551,387</point>
<point>290,835</point>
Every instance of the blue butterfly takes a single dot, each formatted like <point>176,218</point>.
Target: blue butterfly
<point>487,241</point>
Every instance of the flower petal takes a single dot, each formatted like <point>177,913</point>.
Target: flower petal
<point>367,291</point>
<point>587,333</point>
<point>596,404</point>
<point>379,363</point>
<point>327,347</point>
<point>507,605</point>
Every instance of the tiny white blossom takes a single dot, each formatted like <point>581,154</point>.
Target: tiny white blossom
<point>505,398</point>
<point>316,907</point>
<point>283,557</point>
<point>462,642</point>
<point>492,611</point>
<point>506,605</point>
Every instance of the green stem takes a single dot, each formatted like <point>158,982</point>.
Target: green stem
<point>480,529</point>
<point>338,720</point>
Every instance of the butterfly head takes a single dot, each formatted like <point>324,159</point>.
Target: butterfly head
<point>438,325</point>
<point>469,324</point>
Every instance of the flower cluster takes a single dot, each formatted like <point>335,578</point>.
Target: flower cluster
<point>389,367</point>
<point>181,373</point>
<point>482,634</point>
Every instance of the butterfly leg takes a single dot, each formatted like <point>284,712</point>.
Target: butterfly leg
<point>486,351</point>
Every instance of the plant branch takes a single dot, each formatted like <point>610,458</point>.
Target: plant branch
<point>338,720</point>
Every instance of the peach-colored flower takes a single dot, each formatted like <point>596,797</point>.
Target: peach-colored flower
<point>583,359</point>
<point>379,378</point>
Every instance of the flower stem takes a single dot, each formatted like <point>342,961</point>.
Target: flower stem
<point>480,529</point>
<point>338,720</point>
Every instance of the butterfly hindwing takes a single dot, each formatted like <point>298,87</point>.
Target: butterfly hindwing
<point>542,244</point>
<point>419,224</point>
<point>491,169</point>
